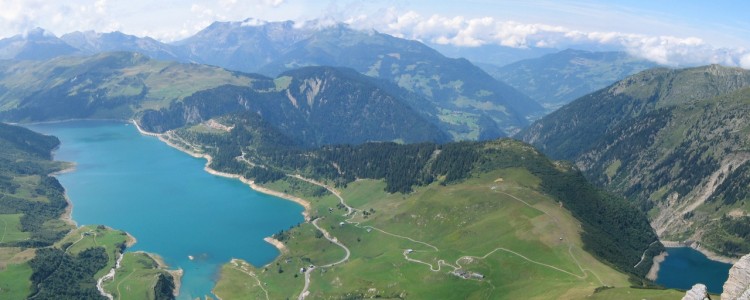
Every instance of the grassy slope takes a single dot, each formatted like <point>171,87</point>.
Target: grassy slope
<point>14,277</point>
<point>464,219</point>
<point>109,78</point>
<point>136,277</point>
<point>95,236</point>
<point>10,228</point>
<point>14,281</point>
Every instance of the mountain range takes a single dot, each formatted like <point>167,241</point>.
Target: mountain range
<point>467,102</point>
<point>36,44</point>
<point>556,79</point>
<point>312,110</point>
<point>317,105</point>
<point>314,105</point>
<point>470,104</point>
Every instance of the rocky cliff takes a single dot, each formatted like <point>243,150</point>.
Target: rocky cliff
<point>738,283</point>
<point>698,292</point>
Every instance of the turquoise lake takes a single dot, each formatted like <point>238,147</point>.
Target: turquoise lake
<point>685,266</point>
<point>167,201</point>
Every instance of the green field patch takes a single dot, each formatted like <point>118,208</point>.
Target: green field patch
<point>136,277</point>
<point>612,169</point>
<point>238,281</point>
<point>91,236</point>
<point>282,83</point>
<point>10,229</point>
<point>14,281</point>
<point>481,105</point>
<point>27,188</point>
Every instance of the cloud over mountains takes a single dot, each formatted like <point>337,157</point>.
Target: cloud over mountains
<point>172,20</point>
<point>473,32</point>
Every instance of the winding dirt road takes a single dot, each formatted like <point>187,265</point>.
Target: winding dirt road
<point>351,212</point>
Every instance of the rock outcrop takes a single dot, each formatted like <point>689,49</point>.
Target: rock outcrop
<point>698,292</point>
<point>738,283</point>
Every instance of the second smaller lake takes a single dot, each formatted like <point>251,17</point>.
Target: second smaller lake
<point>685,266</point>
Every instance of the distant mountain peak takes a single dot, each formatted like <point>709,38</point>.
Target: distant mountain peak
<point>558,78</point>
<point>34,44</point>
<point>92,42</point>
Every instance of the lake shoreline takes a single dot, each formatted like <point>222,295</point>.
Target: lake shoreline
<point>278,244</point>
<point>653,273</point>
<point>685,266</point>
<point>67,215</point>
<point>176,274</point>
<point>163,137</point>
<point>708,253</point>
<point>184,279</point>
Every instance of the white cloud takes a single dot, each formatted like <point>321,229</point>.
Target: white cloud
<point>745,61</point>
<point>172,20</point>
<point>101,6</point>
<point>253,22</point>
<point>473,32</point>
<point>274,3</point>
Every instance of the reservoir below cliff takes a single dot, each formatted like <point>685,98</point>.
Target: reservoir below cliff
<point>685,266</point>
<point>163,197</point>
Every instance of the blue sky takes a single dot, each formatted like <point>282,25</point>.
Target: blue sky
<point>666,31</point>
<point>723,23</point>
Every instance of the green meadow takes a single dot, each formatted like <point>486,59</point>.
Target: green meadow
<point>136,277</point>
<point>10,229</point>
<point>496,224</point>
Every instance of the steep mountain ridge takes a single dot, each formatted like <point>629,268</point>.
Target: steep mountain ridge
<point>463,93</point>
<point>243,46</point>
<point>467,102</point>
<point>565,133</point>
<point>314,105</point>
<point>675,141</point>
<point>90,42</point>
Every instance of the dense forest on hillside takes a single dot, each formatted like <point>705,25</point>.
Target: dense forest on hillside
<point>59,275</point>
<point>26,187</point>
<point>729,236</point>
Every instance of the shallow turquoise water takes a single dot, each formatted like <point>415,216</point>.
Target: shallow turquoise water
<point>685,266</point>
<point>166,200</point>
